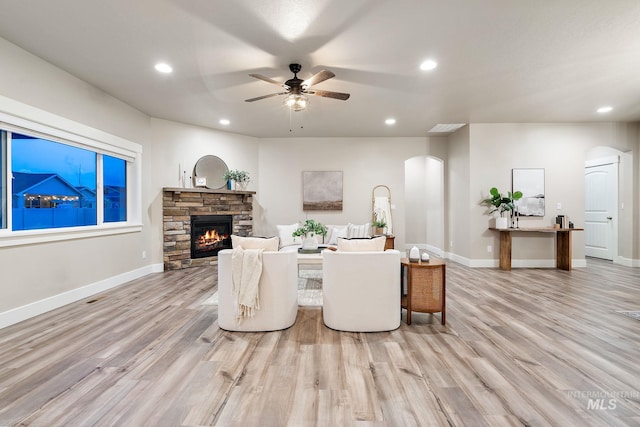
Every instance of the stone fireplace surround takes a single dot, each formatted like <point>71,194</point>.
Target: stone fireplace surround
<point>179,204</point>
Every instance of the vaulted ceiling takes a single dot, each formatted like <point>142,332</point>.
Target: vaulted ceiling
<point>498,60</point>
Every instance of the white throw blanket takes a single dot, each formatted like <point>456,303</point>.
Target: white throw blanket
<point>246,269</point>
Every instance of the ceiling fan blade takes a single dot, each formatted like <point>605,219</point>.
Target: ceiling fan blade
<point>264,96</point>
<point>266,79</point>
<point>330,94</point>
<point>318,77</point>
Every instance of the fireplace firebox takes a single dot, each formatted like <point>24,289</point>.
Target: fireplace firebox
<point>210,234</point>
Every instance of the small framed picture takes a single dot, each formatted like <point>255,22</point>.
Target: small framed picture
<point>201,181</point>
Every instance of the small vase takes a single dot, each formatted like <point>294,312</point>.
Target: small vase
<point>310,242</point>
<point>502,223</point>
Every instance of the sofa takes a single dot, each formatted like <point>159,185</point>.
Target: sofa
<point>334,232</point>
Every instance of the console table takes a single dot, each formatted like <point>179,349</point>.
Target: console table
<point>563,244</point>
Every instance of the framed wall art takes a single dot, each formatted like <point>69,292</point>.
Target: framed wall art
<point>322,190</point>
<point>531,182</point>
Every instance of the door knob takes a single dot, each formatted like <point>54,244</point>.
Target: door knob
<point>609,218</point>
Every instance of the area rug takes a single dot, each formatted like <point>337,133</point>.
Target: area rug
<point>632,314</point>
<point>309,289</point>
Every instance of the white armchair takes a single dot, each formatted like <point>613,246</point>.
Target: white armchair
<point>278,291</point>
<point>361,290</point>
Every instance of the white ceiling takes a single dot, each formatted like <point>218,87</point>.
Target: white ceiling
<point>499,60</point>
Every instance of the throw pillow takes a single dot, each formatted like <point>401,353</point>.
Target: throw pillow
<point>338,231</point>
<point>285,233</point>
<point>359,230</point>
<point>366,244</point>
<point>266,243</point>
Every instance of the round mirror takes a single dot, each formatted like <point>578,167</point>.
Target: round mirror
<point>212,169</point>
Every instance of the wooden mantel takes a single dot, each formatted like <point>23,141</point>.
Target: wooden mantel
<point>179,190</point>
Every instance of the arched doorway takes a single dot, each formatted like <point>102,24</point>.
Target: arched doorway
<point>424,203</point>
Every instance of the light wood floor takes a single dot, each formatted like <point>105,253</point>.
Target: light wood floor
<point>526,347</point>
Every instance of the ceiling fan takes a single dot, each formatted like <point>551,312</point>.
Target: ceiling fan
<point>297,89</point>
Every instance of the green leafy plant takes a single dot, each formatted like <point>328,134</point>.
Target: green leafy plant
<point>379,223</point>
<point>310,227</point>
<point>237,176</point>
<point>500,203</point>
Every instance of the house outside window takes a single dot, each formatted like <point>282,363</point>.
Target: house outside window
<point>53,184</point>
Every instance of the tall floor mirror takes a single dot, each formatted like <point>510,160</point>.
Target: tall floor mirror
<point>381,218</point>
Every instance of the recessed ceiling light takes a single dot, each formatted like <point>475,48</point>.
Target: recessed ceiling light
<point>163,68</point>
<point>604,109</point>
<point>390,122</point>
<point>429,64</point>
<point>446,127</point>
<point>224,122</point>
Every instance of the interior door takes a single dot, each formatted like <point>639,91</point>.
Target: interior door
<point>601,214</point>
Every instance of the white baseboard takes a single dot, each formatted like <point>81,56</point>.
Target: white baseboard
<point>36,308</point>
<point>425,247</point>
<point>627,262</point>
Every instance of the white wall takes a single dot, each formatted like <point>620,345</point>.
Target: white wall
<point>560,149</point>
<point>366,162</point>
<point>424,203</point>
<point>435,204</point>
<point>415,199</point>
<point>34,273</point>
<point>460,205</point>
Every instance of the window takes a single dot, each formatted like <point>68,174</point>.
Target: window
<point>53,184</point>
<point>3,179</point>
<point>115,189</point>
<point>62,180</point>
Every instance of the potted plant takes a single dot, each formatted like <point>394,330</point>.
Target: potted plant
<point>378,227</point>
<point>308,231</point>
<point>501,204</point>
<point>240,178</point>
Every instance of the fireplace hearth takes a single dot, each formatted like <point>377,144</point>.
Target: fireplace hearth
<point>210,234</point>
<point>179,205</point>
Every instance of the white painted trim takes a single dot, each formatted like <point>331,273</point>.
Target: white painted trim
<point>627,262</point>
<point>25,116</point>
<point>31,237</point>
<point>36,308</point>
<point>485,263</point>
<point>434,250</point>
<point>459,259</point>
<point>602,161</point>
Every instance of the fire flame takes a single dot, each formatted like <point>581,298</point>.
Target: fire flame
<point>211,238</point>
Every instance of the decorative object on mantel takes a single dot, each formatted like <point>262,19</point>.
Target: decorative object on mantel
<point>308,231</point>
<point>212,169</point>
<point>502,204</point>
<point>240,179</point>
<point>381,210</point>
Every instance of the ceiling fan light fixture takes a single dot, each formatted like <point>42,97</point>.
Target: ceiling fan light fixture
<point>296,101</point>
<point>428,65</point>
<point>163,67</point>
